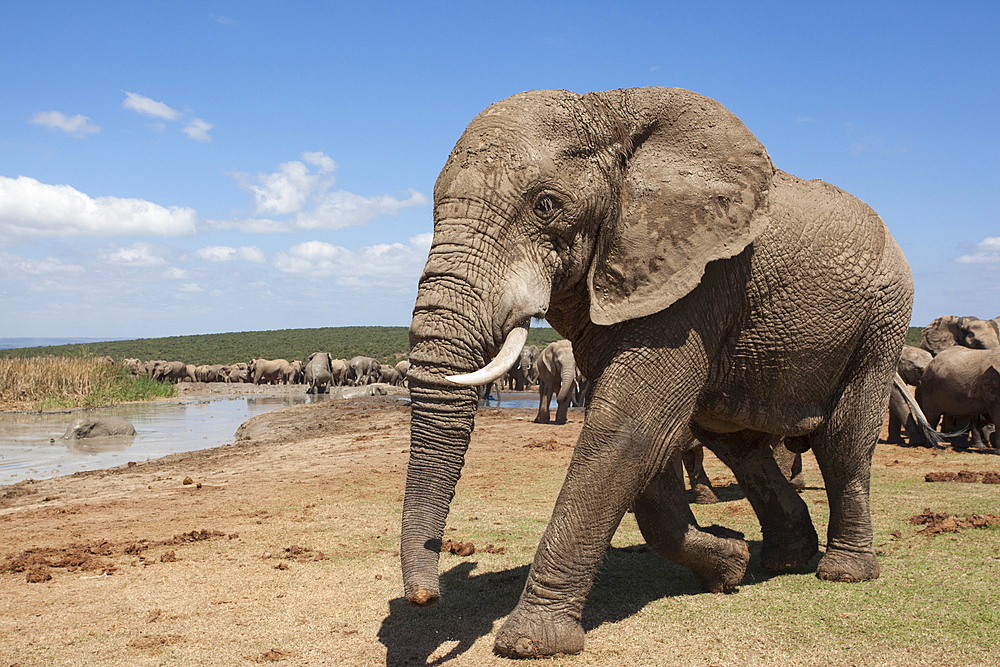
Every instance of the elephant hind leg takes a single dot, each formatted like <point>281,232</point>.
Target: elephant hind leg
<point>717,556</point>
<point>844,446</point>
<point>789,536</point>
<point>701,485</point>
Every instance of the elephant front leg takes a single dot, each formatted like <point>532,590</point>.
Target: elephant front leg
<point>603,480</point>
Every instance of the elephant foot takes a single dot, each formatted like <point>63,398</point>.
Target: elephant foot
<point>703,494</point>
<point>848,566</point>
<point>541,420</point>
<point>798,482</point>
<point>723,561</point>
<point>534,634</point>
<point>794,548</point>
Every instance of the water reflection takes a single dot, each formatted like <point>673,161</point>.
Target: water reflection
<point>31,444</point>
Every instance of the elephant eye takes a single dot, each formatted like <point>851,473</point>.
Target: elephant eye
<point>546,207</point>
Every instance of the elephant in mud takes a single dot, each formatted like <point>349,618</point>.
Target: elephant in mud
<point>950,330</point>
<point>269,371</point>
<point>389,375</point>
<point>557,375</point>
<point>962,383</point>
<point>98,427</point>
<point>650,228</point>
<point>210,373</point>
<point>295,373</point>
<point>341,372</point>
<point>401,368</point>
<point>318,373</point>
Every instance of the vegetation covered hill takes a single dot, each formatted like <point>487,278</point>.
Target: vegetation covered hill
<point>388,344</point>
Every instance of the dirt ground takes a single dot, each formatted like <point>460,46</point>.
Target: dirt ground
<point>279,547</point>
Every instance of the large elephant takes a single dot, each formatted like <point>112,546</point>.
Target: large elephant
<point>650,228</point>
<point>318,373</point>
<point>950,330</point>
<point>556,376</point>
<point>962,382</point>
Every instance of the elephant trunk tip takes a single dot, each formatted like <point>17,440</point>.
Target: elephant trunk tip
<point>423,597</point>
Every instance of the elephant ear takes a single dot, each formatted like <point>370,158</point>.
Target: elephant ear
<point>694,179</point>
<point>942,333</point>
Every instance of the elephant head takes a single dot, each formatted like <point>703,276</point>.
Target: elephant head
<point>585,209</point>
<point>949,330</point>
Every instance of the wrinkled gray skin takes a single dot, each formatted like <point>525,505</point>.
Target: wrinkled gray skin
<point>950,330</point>
<point>318,373</point>
<point>98,427</point>
<point>912,362</point>
<point>962,383</point>
<point>363,370</point>
<point>556,377</point>
<point>650,228</point>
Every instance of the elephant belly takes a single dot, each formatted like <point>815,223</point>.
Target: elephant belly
<point>721,414</point>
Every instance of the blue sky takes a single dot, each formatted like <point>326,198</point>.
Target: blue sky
<point>171,168</point>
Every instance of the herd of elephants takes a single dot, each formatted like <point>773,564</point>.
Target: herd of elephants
<point>711,298</point>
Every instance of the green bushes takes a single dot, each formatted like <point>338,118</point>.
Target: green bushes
<point>387,344</point>
<point>46,383</point>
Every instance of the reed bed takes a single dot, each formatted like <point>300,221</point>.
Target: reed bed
<point>49,383</point>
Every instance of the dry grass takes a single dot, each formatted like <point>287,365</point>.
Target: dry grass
<point>44,383</point>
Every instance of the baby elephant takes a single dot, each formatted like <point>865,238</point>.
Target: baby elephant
<point>98,427</point>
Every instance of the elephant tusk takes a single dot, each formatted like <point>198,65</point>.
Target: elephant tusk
<point>508,354</point>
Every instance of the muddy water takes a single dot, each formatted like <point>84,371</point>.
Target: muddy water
<point>31,447</point>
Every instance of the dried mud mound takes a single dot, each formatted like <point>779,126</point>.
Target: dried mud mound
<point>967,476</point>
<point>936,523</point>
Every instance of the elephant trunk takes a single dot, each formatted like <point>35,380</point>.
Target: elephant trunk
<point>567,382</point>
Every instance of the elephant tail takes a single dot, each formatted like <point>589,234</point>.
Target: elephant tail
<point>929,432</point>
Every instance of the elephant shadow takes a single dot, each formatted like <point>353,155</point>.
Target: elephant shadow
<point>629,578</point>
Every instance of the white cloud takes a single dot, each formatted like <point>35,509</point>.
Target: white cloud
<point>380,264</point>
<point>198,129</point>
<point>149,107</point>
<point>174,273</point>
<point>77,125</point>
<point>300,191</point>
<point>190,288</point>
<point>987,252</point>
<point>221,253</point>
<point>136,255</point>
<point>37,267</point>
<point>31,209</point>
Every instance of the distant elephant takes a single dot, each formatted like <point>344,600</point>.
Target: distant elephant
<point>269,371</point>
<point>556,376</point>
<point>341,372</point>
<point>707,295</point>
<point>389,375</point>
<point>950,330</point>
<point>318,373</point>
<point>173,370</point>
<point>702,491</point>
<point>98,427</point>
<point>912,362</point>
<point>209,373</point>
<point>401,368</point>
<point>524,373</point>
<point>962,383</point>
<point>363,370</point>
<point>237,375</point>
<point>294,373</point>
